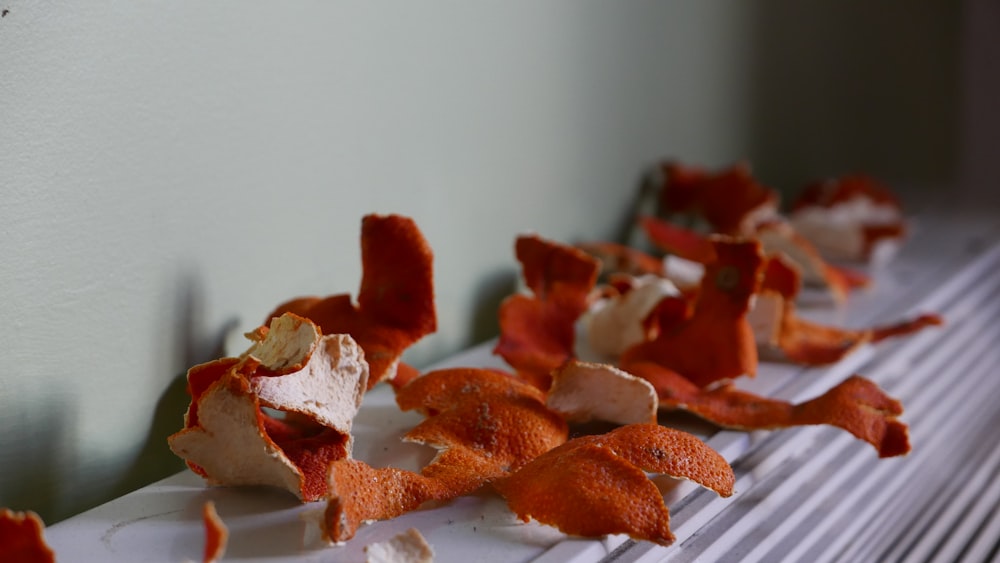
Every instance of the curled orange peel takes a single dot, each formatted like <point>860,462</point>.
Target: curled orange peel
<point>856,405</point>
<point>395,306</point>
<point>22,538</point>
<point>537,331</point>
<point>484,423</point>
<point>597,485</point>
<point>732,201</point>
<point>783,334</point>
<point>715,342</point>
<point>280,414</point>
<point>677,240</point>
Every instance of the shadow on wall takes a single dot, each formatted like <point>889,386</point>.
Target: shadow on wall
<point>840,87</point>
<point>192,346</point>
<point>40,485</point>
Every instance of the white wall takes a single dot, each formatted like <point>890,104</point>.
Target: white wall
<point>170,168</point>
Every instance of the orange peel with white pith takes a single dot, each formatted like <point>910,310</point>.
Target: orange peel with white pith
<point>22,537</point>
<point>713,341</point>
<point>484,424</point>
<point>731,201</point>
<point>782,334</point>
<point>585,391</point>
<point>233,434</point>
<point>852,217</point>
<point>537,330</point>
<point>395,306</point>
<point>597,485</point>
<point>857,405</point>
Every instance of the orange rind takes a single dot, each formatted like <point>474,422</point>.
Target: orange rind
<point>856,405</point>
<point>585,391</point>
<point>22,538</point>
<point>852,218</point>
<point>395,306</point>
<point>279,414</point>
<point>483,423</point>
<point>597,485</point>
<point>216,533</point>
<point>731,201</point>
<point>715,342</point>
<point>538,330</point>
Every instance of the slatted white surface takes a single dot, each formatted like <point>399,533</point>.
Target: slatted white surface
<point>809,494</point>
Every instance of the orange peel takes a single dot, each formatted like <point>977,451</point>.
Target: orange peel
<point>585,391</point>
<point>395,306</point>
<point>597,485</point>
<point>853,218</point>
<point>624,259</point>
<point>22,538</point>
<point>316,381</point>
<point>216,533</point>
<point>730,200</point>
<point>484,423</point>
<point>537,331</point>
<point>618,322</point>
<point>782,334</point>
<point>856,405</point>
<point>717,326</point>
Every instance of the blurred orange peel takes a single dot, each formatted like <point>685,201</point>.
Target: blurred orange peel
<point>597,485</point>
<point>484,423</point>
<point>278,415</point>
<point>22,537</point>
<point>856,405</point>
<point>853,217</point>
<point>216,533</point>
<point>537,330</point>
<point>395,306</point>
<point>731,201</point>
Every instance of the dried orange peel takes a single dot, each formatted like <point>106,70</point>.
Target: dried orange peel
<point>395,305</point>
<point>585,391</point>
<point>620,258</point>
<point>731,200</point>
<point>856,405</point>
<point>484,423</point>
<point>782,334</point>
<point>853,218</point>
<point>216,533</point>
<point>316,381</point>
<point>22,538</point>
<point>717,328</point>
<point>597,485</point>
<point>537,330</point>
<point>619,321</point>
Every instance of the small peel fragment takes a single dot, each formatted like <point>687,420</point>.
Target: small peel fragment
<point>216,533</point>
<point>484,423</point>
<point>584,391</point>
<point>597,485</point>
<point>856,405</point>
<point>316,381</point>
<point>22,538</point>
<point>395,305</point>
<point>407,547</point>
